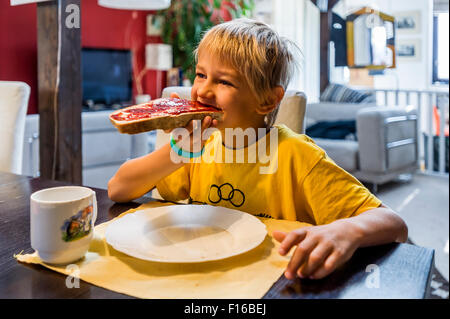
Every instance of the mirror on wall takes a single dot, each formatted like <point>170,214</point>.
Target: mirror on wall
<point>370,39</point>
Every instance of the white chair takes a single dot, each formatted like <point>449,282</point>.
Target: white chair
<point>291,112</point>
<point>14,98</point>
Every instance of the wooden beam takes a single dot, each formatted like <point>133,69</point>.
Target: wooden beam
<point>322,5</point>
<point>326,17</point>
<point>325,7</point>
<point>331,4</point>
<point>325,25</point>
<point>59,92</point>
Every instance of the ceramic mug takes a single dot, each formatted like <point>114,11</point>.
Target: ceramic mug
<point>62,223</point>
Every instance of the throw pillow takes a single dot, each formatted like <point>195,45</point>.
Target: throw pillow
<point>342,94</point>
<point>336,130</point>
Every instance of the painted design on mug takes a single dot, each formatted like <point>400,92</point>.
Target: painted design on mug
<point>78,226</point>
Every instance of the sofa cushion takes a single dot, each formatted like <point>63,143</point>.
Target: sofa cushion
<point>330,111</point>
<point>343,153</point>
<point>343,94</point>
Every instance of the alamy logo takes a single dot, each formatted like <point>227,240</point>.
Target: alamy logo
<point>73,279</point>
<point>73,17</point>
<point>264,149</point>
<point>373,279</point>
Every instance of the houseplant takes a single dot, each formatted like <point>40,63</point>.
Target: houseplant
<point>185,20</point>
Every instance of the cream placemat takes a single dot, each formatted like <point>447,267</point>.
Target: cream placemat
<point>249,275</point>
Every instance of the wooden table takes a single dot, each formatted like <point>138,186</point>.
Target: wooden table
<point>399,270</point>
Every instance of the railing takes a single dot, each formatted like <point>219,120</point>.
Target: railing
<point>433,112</point>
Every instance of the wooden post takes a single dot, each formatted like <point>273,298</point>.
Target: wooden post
<point>326,16</point>
<point>59,90</point>
<point>325,25</point>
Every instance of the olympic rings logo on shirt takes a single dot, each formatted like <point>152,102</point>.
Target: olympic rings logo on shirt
<point>226,192</point>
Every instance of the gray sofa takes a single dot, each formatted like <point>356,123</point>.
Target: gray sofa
<point>104,149</point>
<point>386,144</point>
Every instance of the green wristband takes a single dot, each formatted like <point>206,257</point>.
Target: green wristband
<point>182,152</point>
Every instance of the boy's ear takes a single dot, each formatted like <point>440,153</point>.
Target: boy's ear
<point>274,99</point>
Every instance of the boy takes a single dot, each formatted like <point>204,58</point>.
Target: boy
<point>243,68</point>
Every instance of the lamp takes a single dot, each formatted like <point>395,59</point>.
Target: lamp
<point>17,2</point>
<point>135,4</point>
<point>158,56</point>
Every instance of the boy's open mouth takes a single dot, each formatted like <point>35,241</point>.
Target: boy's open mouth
<point>209,105</point>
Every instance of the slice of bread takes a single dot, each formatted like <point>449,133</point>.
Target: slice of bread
<point>160,121</point>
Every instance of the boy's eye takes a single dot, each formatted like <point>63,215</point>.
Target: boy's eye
<point>203,76</point>
<point>225,83</point>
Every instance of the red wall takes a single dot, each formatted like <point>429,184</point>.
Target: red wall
<point>18,47</point>
<point>100,27</point>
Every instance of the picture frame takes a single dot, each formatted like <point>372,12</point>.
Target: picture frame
<point>363,49</point>
<point>174,77</point>
<point>409,50</point>
<point>408,22</point>
<point>154,25</point>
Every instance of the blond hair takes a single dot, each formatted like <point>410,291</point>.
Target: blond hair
<point>264,58</point>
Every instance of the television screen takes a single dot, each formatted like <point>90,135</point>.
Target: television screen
<point>107,76</point>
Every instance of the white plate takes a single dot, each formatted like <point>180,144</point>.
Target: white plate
<point>185,233</point>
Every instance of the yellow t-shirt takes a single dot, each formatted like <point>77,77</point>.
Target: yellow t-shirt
<point>303,183</point>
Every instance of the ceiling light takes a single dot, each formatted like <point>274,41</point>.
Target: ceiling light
<point>135,4</point>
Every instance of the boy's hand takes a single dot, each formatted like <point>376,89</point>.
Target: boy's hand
<point>320,249</point>
<point>193,141</point>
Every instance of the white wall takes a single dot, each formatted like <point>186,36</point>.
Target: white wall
<point>298,20</point>
<point>407,74</point>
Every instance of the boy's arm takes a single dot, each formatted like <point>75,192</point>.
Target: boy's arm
<point>138,176</point>
<point>321,249</point>
<point>378,226</point>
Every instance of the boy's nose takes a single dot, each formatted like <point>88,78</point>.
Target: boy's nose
<point>205,91</point>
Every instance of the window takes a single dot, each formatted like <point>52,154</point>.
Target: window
<point>440,48</point>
